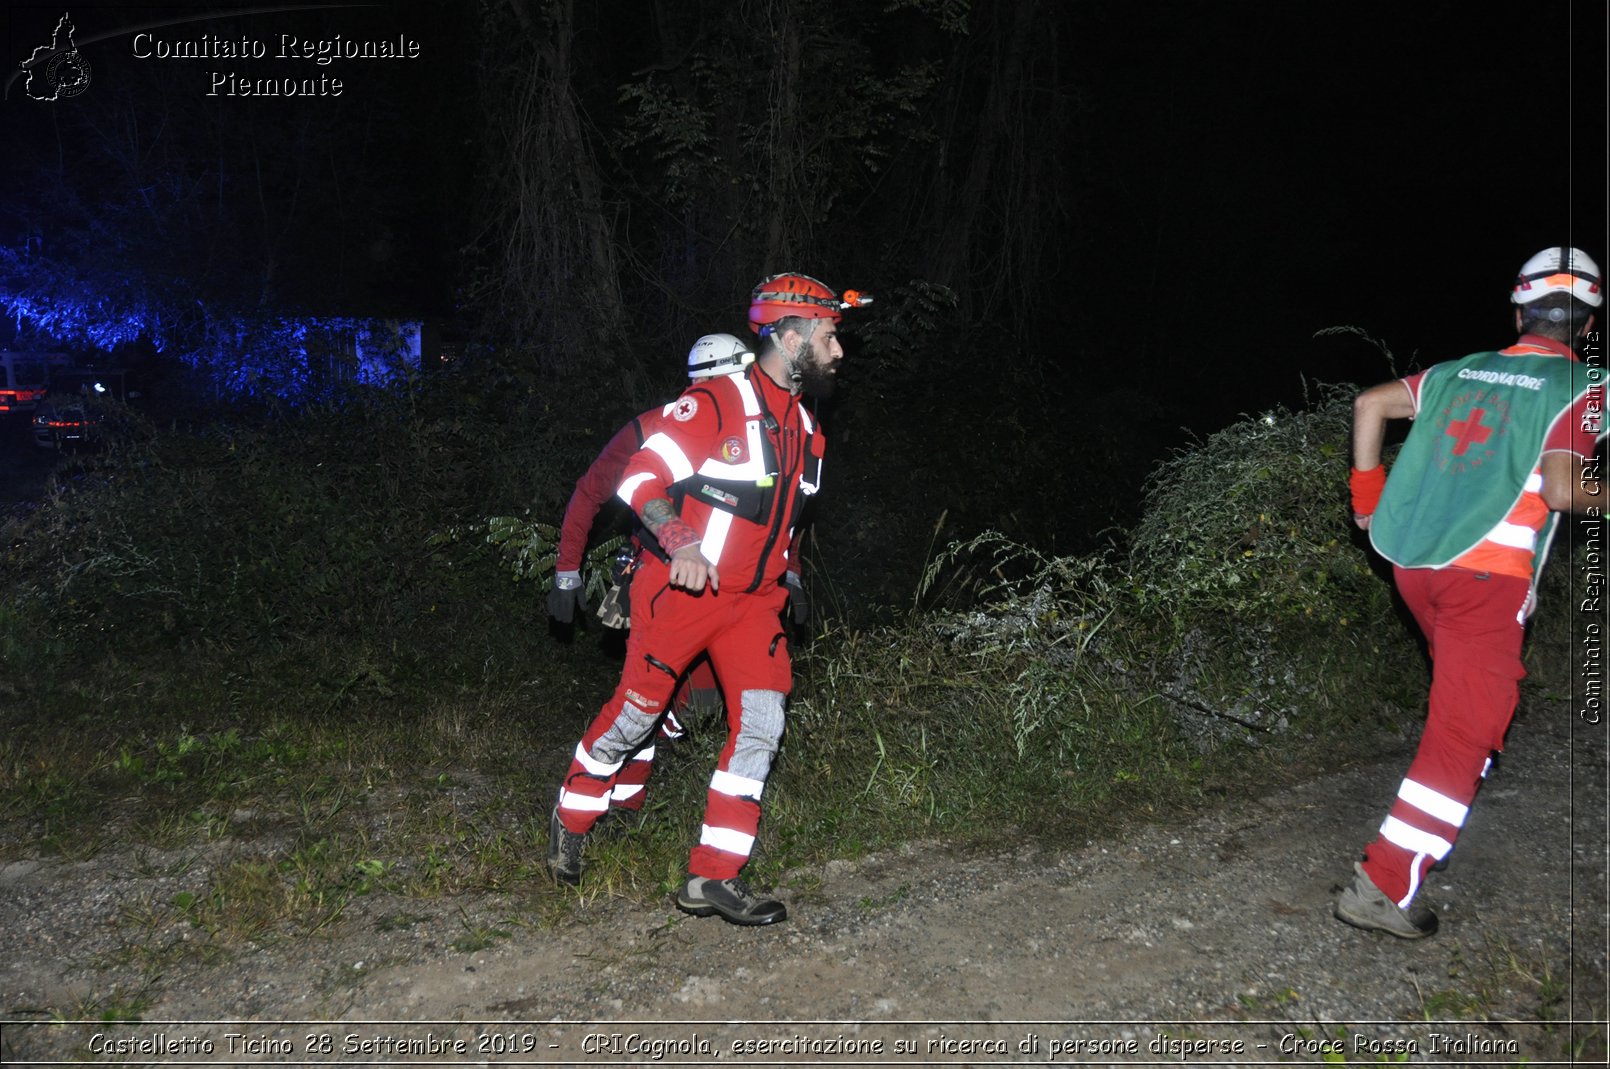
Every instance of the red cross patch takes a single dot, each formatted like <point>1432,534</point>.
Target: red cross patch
<point>684,409</point>
<point>1469,431</point>
<point>732,449</point>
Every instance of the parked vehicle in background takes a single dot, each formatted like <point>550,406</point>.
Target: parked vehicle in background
<point>24,379</point>
<point>63,420</point>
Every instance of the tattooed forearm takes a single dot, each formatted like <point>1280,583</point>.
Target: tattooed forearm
<point>666,526</point>
<point>656,513</point>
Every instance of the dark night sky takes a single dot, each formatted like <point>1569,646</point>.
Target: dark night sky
<point>1249,173</point>
<point>1294,167</point>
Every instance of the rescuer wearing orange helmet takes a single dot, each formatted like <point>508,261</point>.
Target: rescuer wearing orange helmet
<point>720,486</point>
<point>1501,443</point>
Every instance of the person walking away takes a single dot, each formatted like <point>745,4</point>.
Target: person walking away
<point>1500,445</point>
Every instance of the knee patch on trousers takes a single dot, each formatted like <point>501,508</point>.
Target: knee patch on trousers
<point>629,731</point>
<point>759,732</point>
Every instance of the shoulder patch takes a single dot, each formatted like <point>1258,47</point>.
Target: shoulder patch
<point>684,409</point>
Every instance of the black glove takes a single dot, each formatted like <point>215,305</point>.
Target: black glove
<point>565,596</point>
<point>799,606</point>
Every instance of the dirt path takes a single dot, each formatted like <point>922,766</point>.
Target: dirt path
<point>1208,942</point>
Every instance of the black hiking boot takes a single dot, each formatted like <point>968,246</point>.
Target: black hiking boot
<point>564,850</point>
<point>731,900</point>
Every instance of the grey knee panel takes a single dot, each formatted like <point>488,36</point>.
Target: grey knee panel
<point>759,732</point>
<point>629,731</point>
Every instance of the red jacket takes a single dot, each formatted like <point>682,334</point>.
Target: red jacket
<point>596,487</point>
<point>739,455</point>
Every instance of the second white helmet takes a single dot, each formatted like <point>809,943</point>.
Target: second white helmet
<point>1559,270</point>
<point>717,354</point>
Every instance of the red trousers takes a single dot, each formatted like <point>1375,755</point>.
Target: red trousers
<point>1473,623</point>
<point>699,693</point>
<point>744,638</point>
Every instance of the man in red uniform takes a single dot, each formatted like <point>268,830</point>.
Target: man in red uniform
<point>720,485</point>
<point>1502,442</point>
<point>713,354</point>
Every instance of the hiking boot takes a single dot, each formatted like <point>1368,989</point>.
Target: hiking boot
<point>564,850</point>
<point>731,900</point>
<point>1364,905</point>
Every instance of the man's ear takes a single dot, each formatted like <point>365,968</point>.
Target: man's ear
<point>1587,326</point>
<point>1517,321</point>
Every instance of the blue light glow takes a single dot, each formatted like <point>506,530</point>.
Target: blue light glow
<point>294,359</point>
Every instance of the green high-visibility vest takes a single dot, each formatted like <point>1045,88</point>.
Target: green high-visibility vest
<point>1476,440</point>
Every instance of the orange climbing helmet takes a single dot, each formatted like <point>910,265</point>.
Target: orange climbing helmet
<point>791,294</point>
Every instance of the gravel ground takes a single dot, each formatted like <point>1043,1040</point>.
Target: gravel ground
<point>1208,942</point>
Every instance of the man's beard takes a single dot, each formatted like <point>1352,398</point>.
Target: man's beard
<point>816,380</point>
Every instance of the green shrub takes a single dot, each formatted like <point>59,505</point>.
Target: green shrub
<point>1253,523</point>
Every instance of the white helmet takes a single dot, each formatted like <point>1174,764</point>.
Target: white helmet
<point>717,354</point>
<point>1559,270</point>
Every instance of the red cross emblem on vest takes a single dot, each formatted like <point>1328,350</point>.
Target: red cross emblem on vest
<point>1469,431</point>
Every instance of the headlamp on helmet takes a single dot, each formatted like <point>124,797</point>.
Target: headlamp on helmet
<point>791,295</point>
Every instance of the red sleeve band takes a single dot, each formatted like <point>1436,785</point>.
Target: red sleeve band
<point>1366,487</point>
<point>674,535</point>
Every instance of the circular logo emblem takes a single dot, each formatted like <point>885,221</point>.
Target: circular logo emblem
<point>67,74</point>
<point>732,449</point>
<point>684,409</point>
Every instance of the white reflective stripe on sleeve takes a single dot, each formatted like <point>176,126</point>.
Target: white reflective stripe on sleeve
<point>1513,535</point>
<point>667,450</point>
<point>1534,483</point>
<point>1429,801</point>
<point>715,535</point>
<point>594,767</point>
<point>733,842</point>
<point>622,791</point>
<point>746,392</point>
<point>584,803</point>
<point>646,754</point>
<point>629,487</point>
<point>1413,839</point>
<point>736,786</point>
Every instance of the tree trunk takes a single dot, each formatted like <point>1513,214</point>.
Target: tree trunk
<point>555,279</point>
<point>961,204</point>
<point>785,194</point>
